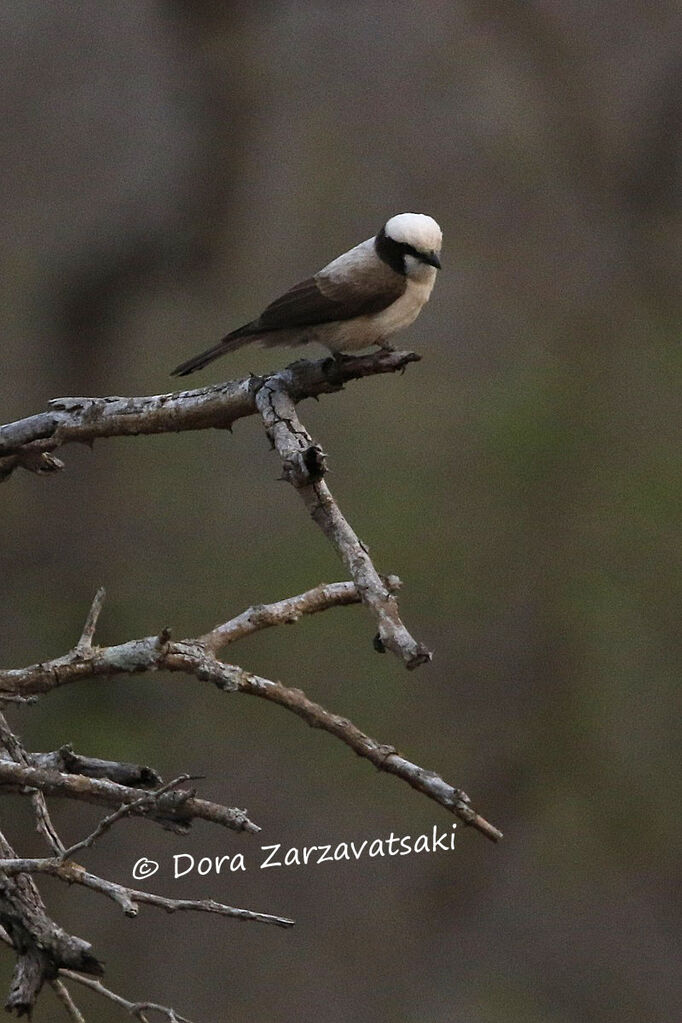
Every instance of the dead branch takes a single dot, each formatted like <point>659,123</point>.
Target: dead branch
<point>135,1009</point>
<point>28,443</point>
<point>282,612</point>
<point>174,811</point>
<point>146,802</point>
<point>304,467</point>
<point>18,754</point>
<point>43,948</point>
<point>384,757</point>
<point>85,642</point>
<point>45,952</point>
<point>128,898</point>
<point>65,760</point>
<point>193,658</point>
<point>62,992</point>
<point>41,945</point>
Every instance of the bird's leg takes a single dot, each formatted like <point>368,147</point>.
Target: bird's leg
<point>384,346</point>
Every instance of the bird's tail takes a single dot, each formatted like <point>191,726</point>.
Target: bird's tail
<point>236,339</point>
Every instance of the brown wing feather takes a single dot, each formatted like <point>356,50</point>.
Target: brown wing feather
<point>317,300</point>
<point>306,304</point>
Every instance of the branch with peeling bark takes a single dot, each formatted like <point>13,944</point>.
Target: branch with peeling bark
<point>304,466</point>
<point>44,950</point>
<point>174,811</point>
<point>45,953</point>
<point>42,947</point>
<point>196,657</point>
<point>29,443</point>
<point>137,1010</point>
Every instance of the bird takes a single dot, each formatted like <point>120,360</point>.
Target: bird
<point>358,300</point>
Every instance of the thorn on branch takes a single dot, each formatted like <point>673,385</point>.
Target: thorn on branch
<point>164,637</point>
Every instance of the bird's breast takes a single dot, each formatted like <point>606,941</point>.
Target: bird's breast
<point>405,309</point>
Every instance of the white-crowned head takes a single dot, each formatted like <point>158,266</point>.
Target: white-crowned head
<point>417,237</point>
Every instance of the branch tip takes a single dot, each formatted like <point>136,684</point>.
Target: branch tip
<point>85,642</point>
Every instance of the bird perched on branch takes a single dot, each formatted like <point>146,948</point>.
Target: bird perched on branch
<point>359,299</point>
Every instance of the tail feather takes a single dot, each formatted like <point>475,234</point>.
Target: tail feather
<point>232,341</point>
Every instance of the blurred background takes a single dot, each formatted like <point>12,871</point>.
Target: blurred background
<point>169,168</point>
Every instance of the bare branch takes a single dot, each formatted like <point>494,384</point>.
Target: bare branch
<point>85,642</point>
<point>173,810</point>
<point>304,467</point>
<point>44,824</point>
<point>25,700</point>
<point>145,802</point>
<point>135,1009</point>
<point>67,1001</point>
<point>192,658</point>
<point>28,442</point>
<point>385,758</point>
<point>65,760</point>
<point>128,898</point>
<point>42,946</point>
<point>281,612</point>
<point>148,654</point>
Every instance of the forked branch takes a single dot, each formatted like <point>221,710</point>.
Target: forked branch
<point>304,466</point>
<point>193,657</point>
<point>29,443</point>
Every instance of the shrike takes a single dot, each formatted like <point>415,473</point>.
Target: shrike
<point>359,299</point>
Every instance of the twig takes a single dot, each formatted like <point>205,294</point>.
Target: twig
<point>281,612</point>
<point>195,659</point>
<point>173,810</point>
<point>28,442</point>
<point>84,644</point>
<point>145,802</point>
<point>67,1001</point>
<point>44,824</point>
<point>133,1008</point>
<point>128,898</point>
<point>67,762</point>
<point>303,463</point>
<point>385,758</point>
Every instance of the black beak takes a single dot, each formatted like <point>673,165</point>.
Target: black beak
<point>432,259</point>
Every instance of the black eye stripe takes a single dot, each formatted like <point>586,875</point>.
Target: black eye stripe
<point>393,252</point>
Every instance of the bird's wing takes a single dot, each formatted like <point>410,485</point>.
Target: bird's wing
<point>326,298</point>
<point>355,284</point>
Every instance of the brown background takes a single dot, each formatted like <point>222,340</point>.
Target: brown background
<point>168,168</point>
